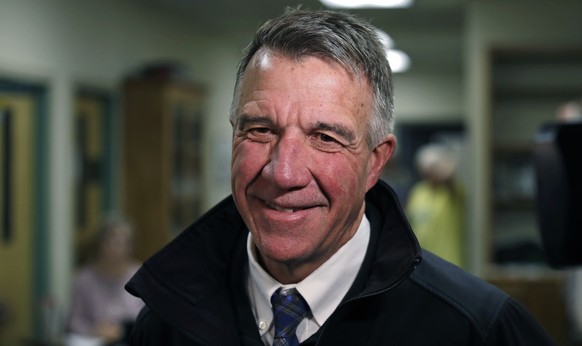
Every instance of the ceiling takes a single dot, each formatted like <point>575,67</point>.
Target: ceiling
<point>430,31</point>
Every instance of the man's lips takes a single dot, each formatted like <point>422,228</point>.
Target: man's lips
<point>285,209</point>
<point>282,209</point>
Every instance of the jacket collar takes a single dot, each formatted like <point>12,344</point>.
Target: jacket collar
<point>394,250</point>
<point>187,282</point>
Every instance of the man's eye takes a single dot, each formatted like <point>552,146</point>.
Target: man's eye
<point>326,138</point>
<point>260,134</point>
<point>260,130</point>
<point>326,142</point>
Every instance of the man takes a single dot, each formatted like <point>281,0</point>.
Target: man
<point>309,231</point>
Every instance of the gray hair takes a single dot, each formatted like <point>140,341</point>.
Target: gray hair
<point>333,36</point>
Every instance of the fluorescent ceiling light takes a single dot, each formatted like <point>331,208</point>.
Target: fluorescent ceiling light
<point>366,3</point>
<point>399,61</point>
<point>385,39</point>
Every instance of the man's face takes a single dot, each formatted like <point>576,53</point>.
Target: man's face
<point>300,162</point>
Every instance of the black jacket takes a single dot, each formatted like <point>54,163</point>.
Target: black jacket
<point>194,290</point>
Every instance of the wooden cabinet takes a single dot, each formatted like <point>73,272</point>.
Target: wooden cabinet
<point>162,158</point>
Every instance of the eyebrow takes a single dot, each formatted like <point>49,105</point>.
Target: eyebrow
<point>340,130</point>
<point>246,119</point>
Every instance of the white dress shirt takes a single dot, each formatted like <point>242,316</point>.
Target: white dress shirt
<point>323,289</point>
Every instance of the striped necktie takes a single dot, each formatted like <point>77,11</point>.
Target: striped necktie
<point>289,308</point>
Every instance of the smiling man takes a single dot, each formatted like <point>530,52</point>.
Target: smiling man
<point>312,248</point>
<point>301,164</point>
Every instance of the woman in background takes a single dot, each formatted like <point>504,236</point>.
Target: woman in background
<point>101,308</point>
<point>435,205</point>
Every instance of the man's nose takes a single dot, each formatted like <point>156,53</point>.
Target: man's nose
<point>288,164</point>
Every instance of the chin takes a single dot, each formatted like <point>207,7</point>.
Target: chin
<point>282,251</point>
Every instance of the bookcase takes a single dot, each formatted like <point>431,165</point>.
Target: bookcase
<point>162,157</point>
<point>528,86</point>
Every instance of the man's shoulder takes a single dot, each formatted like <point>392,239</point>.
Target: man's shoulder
<point>494,315</point>
<point>151,329</point>
<point>480,302</point>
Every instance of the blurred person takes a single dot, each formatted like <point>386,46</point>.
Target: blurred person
<point>311,247</point>
<point>100,307</point>
<point>435,206</point>
<point>570,111</point>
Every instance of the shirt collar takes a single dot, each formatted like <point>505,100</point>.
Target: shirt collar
<point>323,289</point>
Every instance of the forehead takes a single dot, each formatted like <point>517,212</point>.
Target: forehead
<point>264,58</point>
<point>307,78</point>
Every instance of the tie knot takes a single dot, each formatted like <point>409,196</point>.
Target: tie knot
<point>289,308</point>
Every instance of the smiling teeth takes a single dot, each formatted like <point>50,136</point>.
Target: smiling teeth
<point>284,210</point>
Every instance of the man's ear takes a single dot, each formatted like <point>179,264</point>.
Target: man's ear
<point>378,159</point>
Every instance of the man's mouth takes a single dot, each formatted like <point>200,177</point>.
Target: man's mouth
<point>282,209</point>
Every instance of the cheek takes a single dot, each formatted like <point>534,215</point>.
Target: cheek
<point>341,176</point>
<point>246,164</point>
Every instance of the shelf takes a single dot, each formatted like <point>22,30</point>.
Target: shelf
<point>515,204</point>
<point>527,87</point>
<point>552,94</point>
